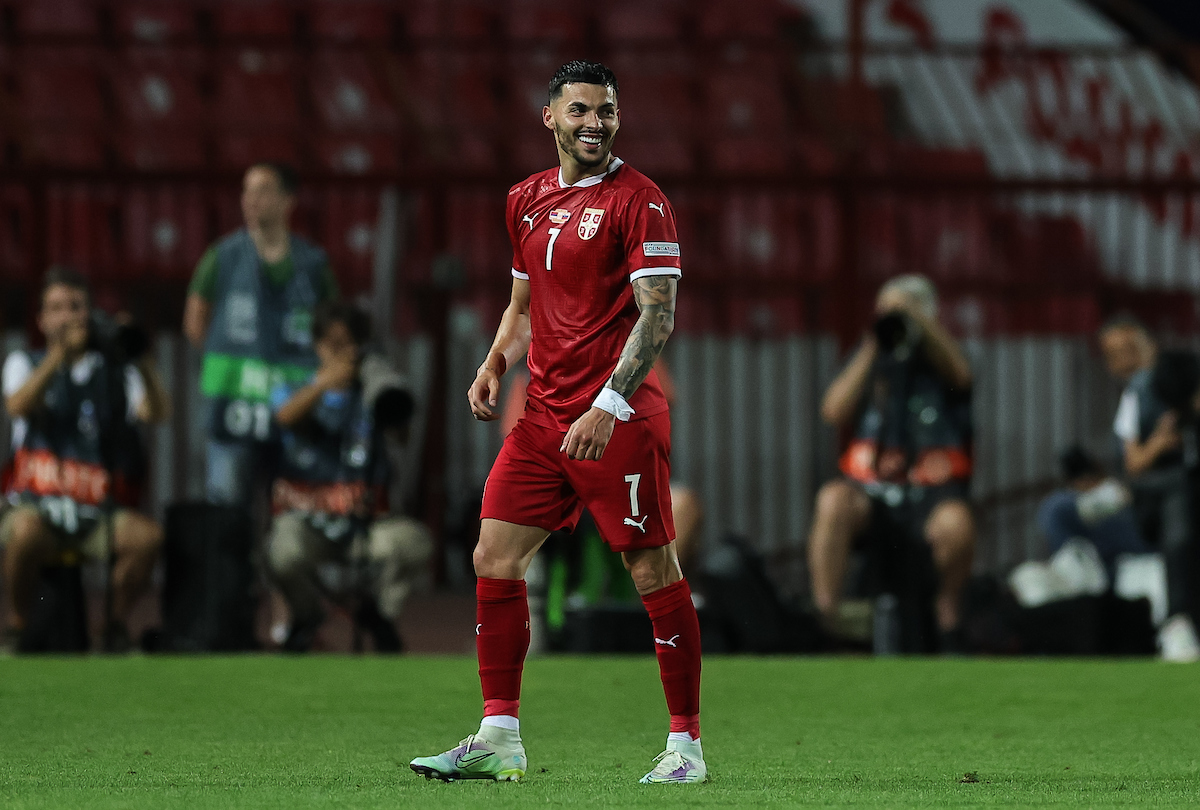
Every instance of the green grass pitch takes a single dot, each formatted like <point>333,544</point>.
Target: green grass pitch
<point>274,732</point>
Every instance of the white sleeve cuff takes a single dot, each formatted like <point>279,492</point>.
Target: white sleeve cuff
<point>612,402</point>
<point>655,271</point>
<point>518,274</point>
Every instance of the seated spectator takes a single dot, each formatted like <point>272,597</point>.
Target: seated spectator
<point>906,395</point>
<point>74,447</point>
<point>1094,507</point>
<point>1151,444</point>
<point>328,499</point>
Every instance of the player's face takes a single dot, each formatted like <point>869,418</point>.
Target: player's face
<point>585,121</point>
<point>336,344</point>
<point>62,307</point>
<point>1126,350</point>
<point>264,202</point>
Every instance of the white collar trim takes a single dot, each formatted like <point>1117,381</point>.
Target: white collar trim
<point>595,179</point>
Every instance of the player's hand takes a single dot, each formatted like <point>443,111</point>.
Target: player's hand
<point>1166,433</point>
<point>588,437</point>
<point>484,394</point>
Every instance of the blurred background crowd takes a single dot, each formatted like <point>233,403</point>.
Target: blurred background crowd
<point>932,377</point>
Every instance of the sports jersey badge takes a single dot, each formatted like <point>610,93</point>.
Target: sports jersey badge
<point>589,223</point>
<point>559,216</point>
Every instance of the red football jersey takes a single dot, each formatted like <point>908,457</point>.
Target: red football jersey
<point>580,247</point>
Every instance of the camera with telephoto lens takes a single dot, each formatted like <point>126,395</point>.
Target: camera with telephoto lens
<point>123,341</point>
<point>897,334</point>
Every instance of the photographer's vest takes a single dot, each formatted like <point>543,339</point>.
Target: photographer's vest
<point>326,465</point>
<point>260,334</point>
<point>1150,410</point>
<point>912,430</point>
<point>60,466</point>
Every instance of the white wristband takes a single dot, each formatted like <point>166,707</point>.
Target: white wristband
<point>612,402</point>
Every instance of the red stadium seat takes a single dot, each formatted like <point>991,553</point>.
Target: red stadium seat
<point>758,235</point>
<point>82,227</point>
<point>476,232</point>
<point>256,19</point>
<point>16,232</point>
<point>765,316</point>
<point>349,94</point>
<point>79,18</point>
<point>625,21</point>
<point>237,151</point>
<point>435,85</point>
<point>59,86</point>
<point>154,21</point>
<point>358,155</point>
<point>159,88</point>
<point>160,149</point>
<point>459,21</point>
<point>658,91</point>
<point>164,230</point>
<point>349,221</point>
<point>51,146</point>
<point>353,21</point>
<point>760,20</point>
<point>256,91</point>
<point>545,22</point>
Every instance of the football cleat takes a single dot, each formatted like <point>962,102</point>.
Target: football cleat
<point>475,758</point>
<point>681,764</point>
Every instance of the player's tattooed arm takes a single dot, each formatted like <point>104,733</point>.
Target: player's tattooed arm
<point>655,297</point>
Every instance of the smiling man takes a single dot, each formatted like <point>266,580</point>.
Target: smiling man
<point>595,269</point>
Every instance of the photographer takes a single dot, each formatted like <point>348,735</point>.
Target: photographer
<point>1155,409</point>
<point>74,447</point>
<point>906,394</point>
<point>329,498</point>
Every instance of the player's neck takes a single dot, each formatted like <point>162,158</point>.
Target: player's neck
<point>573,172</point>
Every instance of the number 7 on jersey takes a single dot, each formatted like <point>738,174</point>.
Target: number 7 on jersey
<point>554,232</point>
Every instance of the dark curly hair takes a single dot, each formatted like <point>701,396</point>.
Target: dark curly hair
<point>582,72</point>
<point>330,312</point>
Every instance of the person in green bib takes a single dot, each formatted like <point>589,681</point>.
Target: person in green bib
<point>250,307</point>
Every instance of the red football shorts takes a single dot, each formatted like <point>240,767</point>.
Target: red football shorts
<point>628,491</point>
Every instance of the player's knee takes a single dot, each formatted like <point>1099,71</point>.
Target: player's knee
<point>836,500</point>
<point>26,532</point>
<point>286,551</point>
<point>652,569</point>
<point>951,527</point>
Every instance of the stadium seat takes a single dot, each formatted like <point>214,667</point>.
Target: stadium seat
<point>460,22</point>
<point>55,147</point>
<point>16,232</point>
<point>155,22</point>
<point>254,19</point>
<point>161,88</point>
<point>629,21</point>
<point>349,220</point>
<point>164,230</point>
<point>238,150</point>
<point>353,21</point>
<point>161,149</point>
<point>81,227</point>
<point>357,154</point>
<point>545,22</point>
<point>57,18</point>
<point>658,91</point>
<point>752,20</point>
<point>758,234</point>
<point>476,232</point>
<point>765,316</point>
<point>59,86</point>
<point>434,85</point>
<point>255,90</point>
<point>349,95</point>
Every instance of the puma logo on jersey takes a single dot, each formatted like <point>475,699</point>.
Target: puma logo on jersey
<point>529,218</point>
<point>641,525</point>
<point>659,208</point>
<point>669,642</point>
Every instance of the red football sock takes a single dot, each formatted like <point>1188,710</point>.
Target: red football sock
<point>501,639</point>
<point>677,643</point>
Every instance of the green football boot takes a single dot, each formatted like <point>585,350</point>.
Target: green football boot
<point>492,754</point>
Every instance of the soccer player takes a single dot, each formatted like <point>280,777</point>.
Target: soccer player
<point>595,269</point>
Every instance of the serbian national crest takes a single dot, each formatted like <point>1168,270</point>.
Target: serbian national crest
<point>589,223</point>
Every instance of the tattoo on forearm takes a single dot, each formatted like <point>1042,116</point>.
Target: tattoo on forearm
<point>655,297</point>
